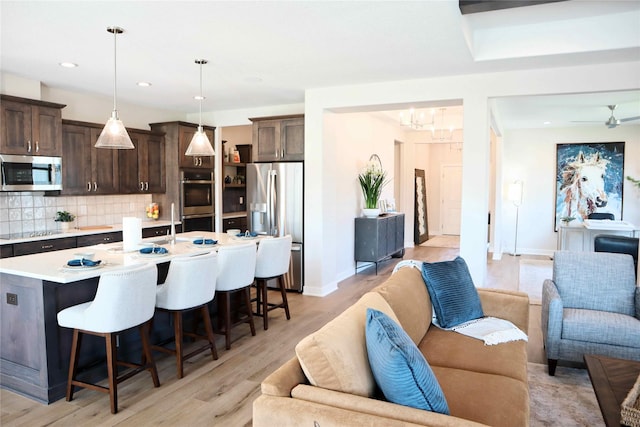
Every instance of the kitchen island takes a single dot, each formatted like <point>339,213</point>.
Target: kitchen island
<point>34,350</point>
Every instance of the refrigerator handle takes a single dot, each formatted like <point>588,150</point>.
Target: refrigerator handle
<point>273,222</point>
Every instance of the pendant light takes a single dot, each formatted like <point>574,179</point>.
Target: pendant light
<point>200,145</point>
<point>114,135</point>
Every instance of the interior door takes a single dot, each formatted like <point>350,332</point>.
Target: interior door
<point>451,199</point>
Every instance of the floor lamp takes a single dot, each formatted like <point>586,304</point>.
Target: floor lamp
<point>515,197</point>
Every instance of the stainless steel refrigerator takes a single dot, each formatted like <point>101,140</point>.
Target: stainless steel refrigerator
<point>275,205</point>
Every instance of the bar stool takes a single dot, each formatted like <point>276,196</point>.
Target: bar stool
<point>236,266</point>
<point>125,299</point>
<point>272,262</point>
<point>190,285</point>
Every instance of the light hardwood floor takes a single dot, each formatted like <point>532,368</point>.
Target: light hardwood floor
<point>221,392</point>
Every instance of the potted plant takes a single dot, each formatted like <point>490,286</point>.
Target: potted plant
<point>372,179</point>
<point>567,219</point>
<point>65,219</point>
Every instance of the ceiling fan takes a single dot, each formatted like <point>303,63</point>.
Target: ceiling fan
<point>611,122</point>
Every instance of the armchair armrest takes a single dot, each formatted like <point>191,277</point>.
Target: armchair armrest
<point>638,302</point>
<point>551,321</point>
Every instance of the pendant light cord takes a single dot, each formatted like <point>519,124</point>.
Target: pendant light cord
<point>200,122</point>
<point>115,107</point>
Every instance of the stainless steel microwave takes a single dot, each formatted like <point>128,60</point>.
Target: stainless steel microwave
<point>30,173</point>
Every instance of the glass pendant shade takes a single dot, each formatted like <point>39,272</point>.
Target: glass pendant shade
<point>200,145</point>
<point>114,135</point>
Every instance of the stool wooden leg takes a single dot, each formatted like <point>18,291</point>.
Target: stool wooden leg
<point>73,363</point>
<point>265,304</point>
<point>177,331</point>
<point>150,364</point>
<point>227,320</point>
<point>247,298</point>
<point>112,371</point>
<point>209,331</point>
<point>283,291</point>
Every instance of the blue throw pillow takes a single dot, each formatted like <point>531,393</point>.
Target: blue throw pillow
<point>400,370</point>
<point>454,297</point>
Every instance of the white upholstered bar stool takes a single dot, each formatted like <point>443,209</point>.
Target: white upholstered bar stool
<point>236,267</point>
<point>125,298</point>
<point>272,263</point>
<point>190,285</point>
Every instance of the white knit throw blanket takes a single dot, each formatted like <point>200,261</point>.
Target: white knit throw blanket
<point>491,330</point>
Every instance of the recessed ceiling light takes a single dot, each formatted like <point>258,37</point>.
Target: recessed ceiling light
<point>144,84</point>
<point>68,64</point>
<point>199,97</point>
<point>546,123</point>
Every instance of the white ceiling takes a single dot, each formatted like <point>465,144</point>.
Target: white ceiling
<point>267,53</point>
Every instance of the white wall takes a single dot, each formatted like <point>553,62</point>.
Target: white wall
<point>358,136</point>
<point>530,155</point>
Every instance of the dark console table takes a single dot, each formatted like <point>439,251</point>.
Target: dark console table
<point>377,239</point>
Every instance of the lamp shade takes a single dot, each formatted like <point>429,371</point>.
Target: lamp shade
<point>114,135</point>
<point>200,145</point>
<point>514,194</point>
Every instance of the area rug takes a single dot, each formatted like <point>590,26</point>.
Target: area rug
<point>443,241</point>
<point>532,273</point>
<point>566,399</point>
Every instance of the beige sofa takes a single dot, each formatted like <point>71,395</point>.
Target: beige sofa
<point>483,385</point>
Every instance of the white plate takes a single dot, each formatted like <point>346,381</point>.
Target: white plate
<point>152,255</point>
<point>193,245</point>
<point>246,237</point>
<point>81,267</point>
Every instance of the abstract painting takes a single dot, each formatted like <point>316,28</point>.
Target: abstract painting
<point>589,179</point>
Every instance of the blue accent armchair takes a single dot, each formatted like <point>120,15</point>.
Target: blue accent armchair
<point>591,306</point>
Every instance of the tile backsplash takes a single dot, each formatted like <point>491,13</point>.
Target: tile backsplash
<point>23,212</point>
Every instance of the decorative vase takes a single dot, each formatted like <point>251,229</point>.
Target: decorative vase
<point>65,226</point>
<point>371,213</point>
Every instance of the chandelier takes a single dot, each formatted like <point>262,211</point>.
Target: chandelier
<point>414,120</point>
<point>441,134</point>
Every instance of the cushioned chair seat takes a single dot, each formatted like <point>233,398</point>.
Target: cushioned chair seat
<point>599,326</point>
<point>485,398</point>
<point>453,350</point>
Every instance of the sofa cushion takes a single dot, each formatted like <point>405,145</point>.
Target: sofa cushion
<point>600,327</point>
<point>407,295</point>
<point>400,370</point>
<point>335,356</point>
<point>489,399</point>
<point>453,350</point>
<point>454,297</point>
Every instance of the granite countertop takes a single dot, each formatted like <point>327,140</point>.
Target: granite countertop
<point>95,229</point>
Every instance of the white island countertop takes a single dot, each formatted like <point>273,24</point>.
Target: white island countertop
<point>85,231</point>
<point>52,266</point>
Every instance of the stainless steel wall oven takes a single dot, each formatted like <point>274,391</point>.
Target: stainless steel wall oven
<point>196,200</point>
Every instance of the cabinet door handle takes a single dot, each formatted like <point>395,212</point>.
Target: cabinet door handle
<point>146,186</point>
<point>107,239</point>
<point>47,246</point>
<point>195,161</point>
<point>29,146</point>
<point>95,186</point>
<point>282,156</point>
<point>141,186</point>
<point>37,147</point>
<point>88,186</point>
